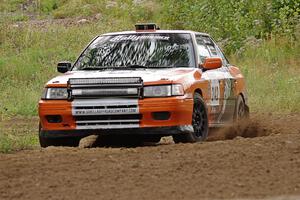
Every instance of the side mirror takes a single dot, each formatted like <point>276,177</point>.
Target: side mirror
<point>212,63</point>
<point>64,66</point>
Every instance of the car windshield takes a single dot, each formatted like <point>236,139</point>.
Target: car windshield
<point>141,50</point>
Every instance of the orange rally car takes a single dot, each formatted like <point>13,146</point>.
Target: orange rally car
<point>146,83</point>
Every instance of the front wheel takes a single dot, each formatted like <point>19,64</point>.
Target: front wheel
<point>68,141</point>
<point>199,123</point>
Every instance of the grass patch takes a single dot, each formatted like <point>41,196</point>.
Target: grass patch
<point>18,134</point>
<point>272,73</point>
<point>29,61</point>
<point>10,5</point>
<point>11,142</point>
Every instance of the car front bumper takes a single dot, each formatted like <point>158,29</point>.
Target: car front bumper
<point>178,120</point>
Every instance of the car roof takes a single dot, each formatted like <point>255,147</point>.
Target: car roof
<point>155,31</point>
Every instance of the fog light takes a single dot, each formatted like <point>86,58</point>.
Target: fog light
<point>161,115</point>
<point>54,118</point>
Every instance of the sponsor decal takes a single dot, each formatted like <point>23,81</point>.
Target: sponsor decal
<point>138,37</point>
<point>106,111</point>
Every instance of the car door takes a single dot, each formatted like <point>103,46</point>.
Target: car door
<point>229,99</point>
<point>215,78</point>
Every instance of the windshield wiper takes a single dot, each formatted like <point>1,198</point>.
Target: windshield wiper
<point>136,66</point>
<point>146,67</point>
<point>92,68</point>
<point>158,67</point>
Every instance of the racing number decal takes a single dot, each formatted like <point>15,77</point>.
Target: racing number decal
<point>215,93</point>
<point>227,93</point>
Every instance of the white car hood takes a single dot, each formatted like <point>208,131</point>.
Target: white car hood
<point>147,75</point>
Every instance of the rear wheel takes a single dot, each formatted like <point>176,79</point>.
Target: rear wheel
<point>199,123</point>
<point>240,115</point>
<point>241,112</point>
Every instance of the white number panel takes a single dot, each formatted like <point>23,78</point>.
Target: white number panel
<point>215,93</point>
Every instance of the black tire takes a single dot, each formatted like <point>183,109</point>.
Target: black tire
<point>128,140</point>
<point>119,140</point>
<point>199,123</point>
<point>241,111</point>
<point>241,114</point>
<point>68,141</point>
<point>152,138</point>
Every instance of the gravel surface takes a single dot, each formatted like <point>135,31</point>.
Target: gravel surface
<point>261,163</point>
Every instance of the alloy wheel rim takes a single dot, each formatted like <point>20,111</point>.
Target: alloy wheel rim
<point>199,120</point>
<point>241,112</point>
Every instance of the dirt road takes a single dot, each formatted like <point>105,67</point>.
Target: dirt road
<point>255,167</point>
